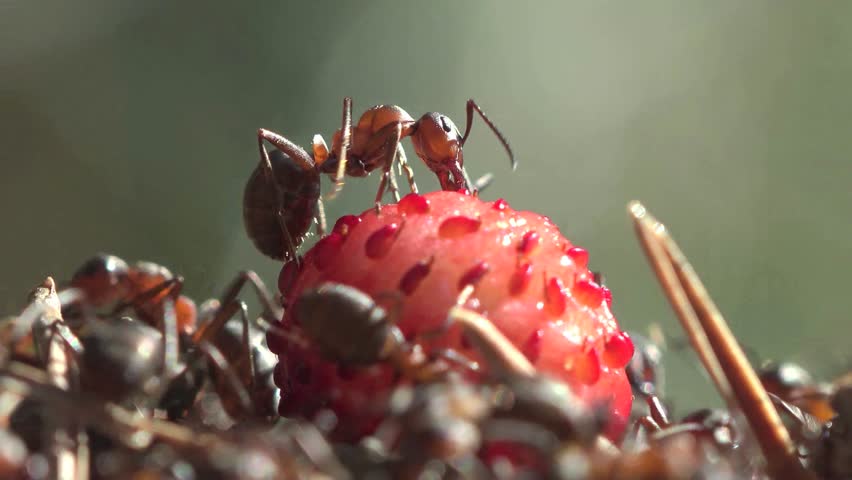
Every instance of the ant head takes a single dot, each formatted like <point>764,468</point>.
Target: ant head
<point>103,278</point>
<point>438,142</point>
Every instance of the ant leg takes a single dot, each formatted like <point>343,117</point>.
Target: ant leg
<point>650,425</point>
<point>221,365</point>
<point>444,181</point>
<point>271,312</point>
<point>392,147</point>
<point>345,141</point>
<point>453,356</point>
<point>249,353</point>
<point>471,106</point>
<point>467,180</point>
<point>322,227</point>
<point>402,164</point>
<point>169,329</point>
<point>209,330</point>
<point>483,182</point>
<point>658,411</point>
<point>412,363</point>
<point>393,186</point>
<point>298,155</point>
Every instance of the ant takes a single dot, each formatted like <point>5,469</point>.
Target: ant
<point>282,196</point>
<point>234,357</point>
<point>134,446</point>
<point>349,327</point>
<point>107,282</point>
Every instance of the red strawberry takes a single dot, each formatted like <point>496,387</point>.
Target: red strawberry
<point>531,282</point>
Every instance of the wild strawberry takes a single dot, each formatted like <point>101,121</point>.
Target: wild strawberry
<point>530,281</point>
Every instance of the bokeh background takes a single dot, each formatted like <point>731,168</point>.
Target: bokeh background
<point>128,127</point>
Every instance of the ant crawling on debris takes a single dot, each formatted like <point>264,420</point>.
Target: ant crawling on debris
<point>189,344</point>
<point>282,196</point>
<point>111,284</point>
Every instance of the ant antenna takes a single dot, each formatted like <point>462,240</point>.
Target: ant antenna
<point>471,105</point>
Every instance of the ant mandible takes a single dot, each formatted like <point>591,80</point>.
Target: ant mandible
<point>282,197</point>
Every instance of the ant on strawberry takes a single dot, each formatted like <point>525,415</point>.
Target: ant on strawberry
<point>282,196</point>
<point>348,326</point>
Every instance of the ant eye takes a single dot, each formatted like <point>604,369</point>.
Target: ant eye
<point>446,126</point>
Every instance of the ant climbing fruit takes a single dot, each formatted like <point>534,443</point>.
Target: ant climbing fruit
<point>282,196</point>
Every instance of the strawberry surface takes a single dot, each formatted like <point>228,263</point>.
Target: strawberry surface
<point>418,255</point>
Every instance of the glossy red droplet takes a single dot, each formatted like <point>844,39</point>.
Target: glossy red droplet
<point>588,292</point>
<point>288,275</point>
<point>607,294</point>
<point>413,204</point>
<point>579,255</point>
<point>474,274</point>
<point>618,350</point>
<point>459,226</point>
<point>555,297</point>
<point>326,249</point>
<point>463,191</point>
<point>529,243</point>
<point>379,242</point>
<point>532,346</point>
<point>411,279</point>
<point>500,204</point>
<point>586,367</point>
<point>520,278</point>
<point>345,224</point>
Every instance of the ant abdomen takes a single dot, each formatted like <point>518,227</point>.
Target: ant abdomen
<point>281,205</point>
<point>345,323</point>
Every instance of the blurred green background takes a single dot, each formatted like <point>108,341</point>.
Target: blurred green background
<point>128,127</point>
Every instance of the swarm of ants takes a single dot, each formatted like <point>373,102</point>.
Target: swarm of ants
<point>118,375</point>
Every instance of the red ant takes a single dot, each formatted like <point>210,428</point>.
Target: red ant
<point>109,282</point>
<point>282,195</point>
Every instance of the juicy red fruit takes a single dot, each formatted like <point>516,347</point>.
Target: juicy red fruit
<point>530,281</point>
